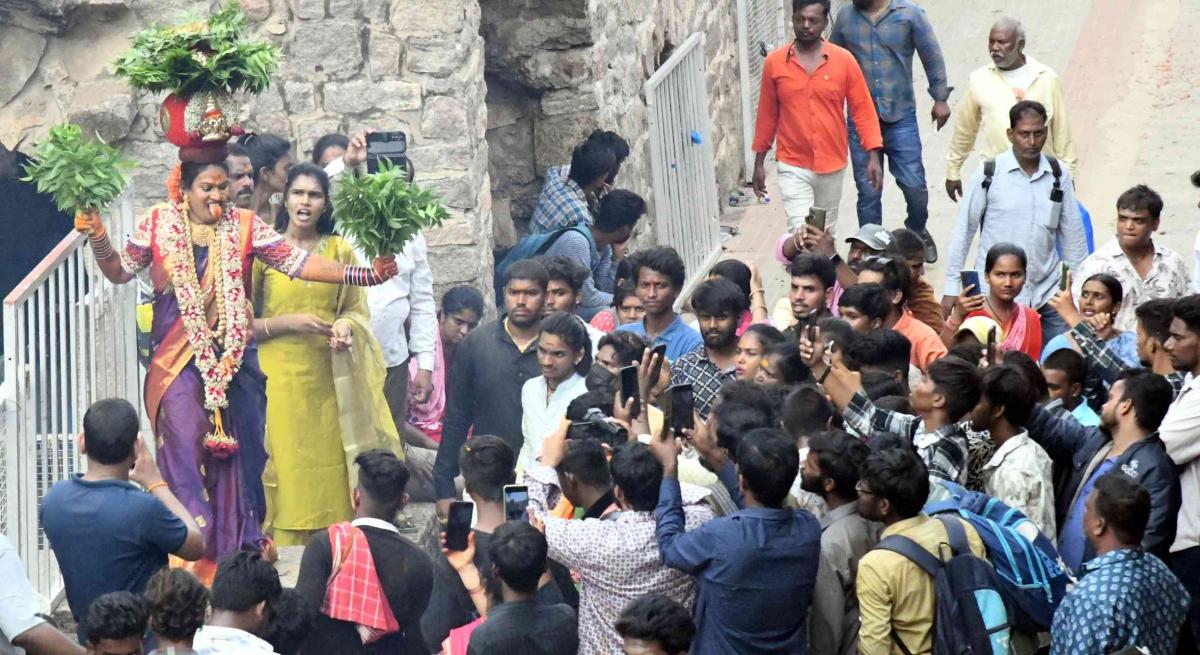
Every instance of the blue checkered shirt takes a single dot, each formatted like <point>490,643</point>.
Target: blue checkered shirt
<point>562,203</point>
<point>1126,599</point>
<point>884,50</point>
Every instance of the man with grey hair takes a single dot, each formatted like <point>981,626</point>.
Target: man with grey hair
<point>993,90</point>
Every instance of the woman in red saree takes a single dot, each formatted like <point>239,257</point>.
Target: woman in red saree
<point>1021,326</point>
<point>205,393</point>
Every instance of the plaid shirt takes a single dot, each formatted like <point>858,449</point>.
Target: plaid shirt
<point>562,203</point>
<point>616,557</point>
<point>696,369</point>
<point>1103,360</point>
<point>944,450</point>
<point>884,50</point>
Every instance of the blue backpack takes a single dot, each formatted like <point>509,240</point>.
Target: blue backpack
<point>971,616</point>
<point>529,247</point>
<point>1034,577</point>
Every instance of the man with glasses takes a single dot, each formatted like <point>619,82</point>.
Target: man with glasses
<point>896,598</point>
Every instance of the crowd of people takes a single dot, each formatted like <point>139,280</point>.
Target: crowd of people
<point>849,470</point>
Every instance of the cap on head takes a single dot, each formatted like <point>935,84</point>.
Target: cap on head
<point>979,326</point>
<point>873,236</point>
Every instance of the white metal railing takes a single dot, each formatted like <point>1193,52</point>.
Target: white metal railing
<point>762,27</point>
<point>686,208</point>
<point>70,338</point>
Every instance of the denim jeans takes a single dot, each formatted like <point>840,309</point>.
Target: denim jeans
<point>1052,324</point>
<point>902,150</point>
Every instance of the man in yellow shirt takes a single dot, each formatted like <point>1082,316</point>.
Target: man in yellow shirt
<point>895,597</point>
<point>992,91</point>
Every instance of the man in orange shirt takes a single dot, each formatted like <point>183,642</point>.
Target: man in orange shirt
<point>806,86</point>
<point>896,277</point>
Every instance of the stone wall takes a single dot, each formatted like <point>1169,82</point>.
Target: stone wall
<point>532,77</point>
<point>631,38</point>
<point>348,65</point>
<point>558,69</point>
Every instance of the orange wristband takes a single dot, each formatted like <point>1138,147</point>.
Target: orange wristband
<point>151,488</point>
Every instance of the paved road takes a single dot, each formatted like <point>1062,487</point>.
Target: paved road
<point>1127,67</point>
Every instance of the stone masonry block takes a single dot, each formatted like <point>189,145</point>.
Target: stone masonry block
<point>454,188</point>
<point>309,9</point>
<point>300,97</point>
<point>384,58</point>
<point>361,96</point>
<point>256,10</point>
<point>329,46</point>
<point>435,56</point>
<point>428,17</point>
<point>444,118</point>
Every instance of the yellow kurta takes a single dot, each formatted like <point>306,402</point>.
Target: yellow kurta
<point>308,481</point>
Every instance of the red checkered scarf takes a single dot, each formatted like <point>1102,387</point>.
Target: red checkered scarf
<point>353,592</point>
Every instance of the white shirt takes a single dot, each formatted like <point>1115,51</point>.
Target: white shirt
<point>1196,260</point>
<point>1167,278</point>
<point>1019,78</point>
<point>540,415</point>
<point>1178,433</point>
<point>19,603</point>
<point>406,297</point>
<point>594,335</point>
<point>215,640</point>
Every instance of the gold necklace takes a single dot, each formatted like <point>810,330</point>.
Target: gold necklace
<point>202,235</point>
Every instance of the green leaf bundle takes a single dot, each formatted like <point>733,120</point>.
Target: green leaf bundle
<point>382,212</point>
<point>200,56</point>
<point>79,173</point>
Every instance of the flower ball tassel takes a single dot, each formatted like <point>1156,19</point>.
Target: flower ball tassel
<point>217,442</point>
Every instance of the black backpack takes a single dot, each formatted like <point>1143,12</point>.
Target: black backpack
<point>971,616</point>
<point>989,172</point>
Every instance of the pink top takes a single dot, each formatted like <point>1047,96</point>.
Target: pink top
<point>427,416</point>
<point>605,320</point>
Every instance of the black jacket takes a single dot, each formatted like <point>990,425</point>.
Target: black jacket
<point>406,574</point>
<point>1073,446</point>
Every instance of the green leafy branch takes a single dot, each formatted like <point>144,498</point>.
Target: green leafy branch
<point>200,56</point>
<point>382,212</point>
<point>79,173</point>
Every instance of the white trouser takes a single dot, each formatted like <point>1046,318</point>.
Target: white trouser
<point>803,189</point>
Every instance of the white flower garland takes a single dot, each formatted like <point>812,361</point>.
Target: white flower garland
<point>233,319</point>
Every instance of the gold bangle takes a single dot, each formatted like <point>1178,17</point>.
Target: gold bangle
<point>151,488</point>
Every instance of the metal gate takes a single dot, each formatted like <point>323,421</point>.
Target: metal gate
<point>762,27</point>
<point>686,209</point>
<point>70,338</point>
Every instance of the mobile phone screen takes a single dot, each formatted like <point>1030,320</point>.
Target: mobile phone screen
<point>970,279</point>
<point>458,525</point>
<point>683,406</point>
<point>629,388</point>
<point>816,218</point>
<point>658,355</point>
<point>516,499</point>
<point>392,146</point>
